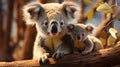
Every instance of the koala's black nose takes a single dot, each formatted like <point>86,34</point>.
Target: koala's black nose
<point>78,37</point>
<point>54,27</point>
<point>54,22</point>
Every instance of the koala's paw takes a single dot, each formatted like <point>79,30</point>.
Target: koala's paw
<point>85,52</point>
<point>57,55</point>
<point>44,59</point>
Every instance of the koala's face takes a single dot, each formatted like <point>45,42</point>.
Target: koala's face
<point>51,19</point>
<point>54,22</point>
<point>79,31</point>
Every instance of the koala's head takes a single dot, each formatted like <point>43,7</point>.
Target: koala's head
<point>51,19</point>
<point>79,31</point>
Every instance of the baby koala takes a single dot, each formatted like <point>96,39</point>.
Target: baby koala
<point>83,41</point>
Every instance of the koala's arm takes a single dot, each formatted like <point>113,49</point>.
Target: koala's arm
<point>98,44</point>
<point>39,53</point>
<point>89,45</point>
<point>65,48</point>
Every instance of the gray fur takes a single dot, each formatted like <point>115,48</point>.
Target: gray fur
<point>81,33</point>
<point>44,16</point>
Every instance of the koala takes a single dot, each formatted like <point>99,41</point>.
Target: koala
<point>83,41</point>
<point>51,22</point>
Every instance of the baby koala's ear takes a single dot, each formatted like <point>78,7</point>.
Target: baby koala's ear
<point>70,27</point>
<point>89,28</point>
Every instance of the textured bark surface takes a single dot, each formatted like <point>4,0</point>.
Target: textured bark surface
<point>102,58</point>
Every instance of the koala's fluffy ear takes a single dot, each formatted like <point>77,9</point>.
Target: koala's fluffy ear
<point>70,27</point>
<point>89,28</point>
<point>71,10</point>
<point>32,12</point>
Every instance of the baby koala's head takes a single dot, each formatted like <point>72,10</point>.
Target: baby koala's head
<point>79,31</point>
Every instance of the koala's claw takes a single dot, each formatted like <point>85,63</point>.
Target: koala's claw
<point>85,52</point>
<point>44,59</point>
<point>57,55</point>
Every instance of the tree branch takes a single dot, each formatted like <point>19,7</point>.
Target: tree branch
<point>105,20</point>
<point>103,24</point>
<point>26,63</point>
<point>84,17</point>
<point>102,58</point>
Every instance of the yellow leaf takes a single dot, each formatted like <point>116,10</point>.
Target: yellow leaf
<point>111,40</point>
<point>90,14</point>
<point>100,3</point>
<point>113,7</point>
<point>108,15</point>
<point>102,41</point>
<point>113,32</point>
<point>105,8</point>
<point>88,2</point>
<point>103,38</point>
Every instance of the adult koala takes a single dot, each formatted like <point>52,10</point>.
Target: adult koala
<point>51,21</point>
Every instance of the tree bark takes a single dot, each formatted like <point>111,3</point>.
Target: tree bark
<point>7,33</point>
<point>44,1</point>
<point>81,19</point>
<point>102,58</point>
<point>21,27</point>
<point>24,63</point>
<point>20,23</point>
<point>1,23</point>
<point>28,42</point>
<point>1,28</point>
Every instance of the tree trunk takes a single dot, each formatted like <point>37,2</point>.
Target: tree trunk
<point>20,25</point>
<point>1,30</point>
<point>30,34</point>
<point>9,19</point>
<point>1,23</point>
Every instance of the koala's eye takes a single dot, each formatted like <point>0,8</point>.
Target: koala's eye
<point>62,22</point>
<point>45,23</point>
<point>82,34</point>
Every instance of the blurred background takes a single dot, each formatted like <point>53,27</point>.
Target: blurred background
<point>17,39</point>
